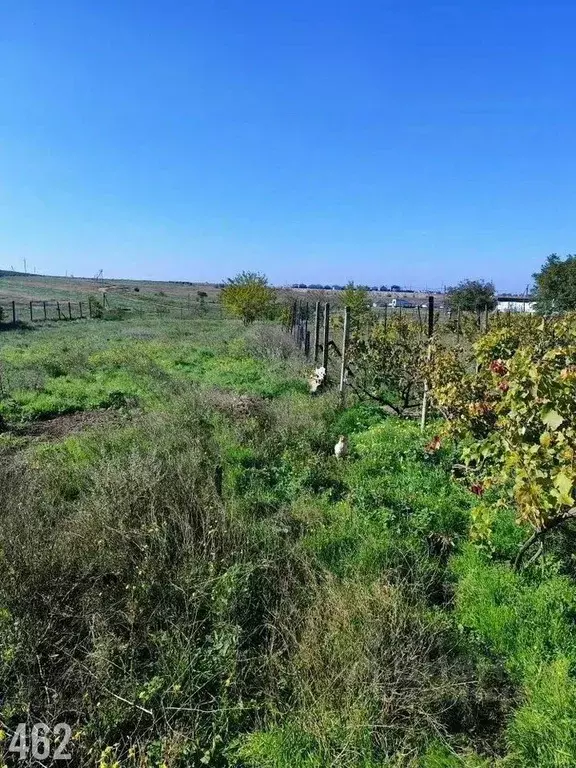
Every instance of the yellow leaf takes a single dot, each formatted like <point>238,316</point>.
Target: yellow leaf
<point>563,483</point>
<point>552,419</point>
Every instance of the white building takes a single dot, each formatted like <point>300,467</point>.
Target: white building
<point>515,304</point>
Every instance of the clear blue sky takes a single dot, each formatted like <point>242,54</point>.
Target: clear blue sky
<point>385,141</point>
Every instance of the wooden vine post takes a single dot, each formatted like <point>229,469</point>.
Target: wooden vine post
<point>420,319</point>
<point>326,339</point>
<point>14,313</point>
<point>31,312</point>
<point>428,358</point>
<point>345,334</point>
<point>316,331</point>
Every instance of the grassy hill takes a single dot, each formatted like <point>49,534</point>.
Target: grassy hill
<point>142,296</point>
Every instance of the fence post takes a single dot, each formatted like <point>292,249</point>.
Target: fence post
<point>45,312</point>
<point>428,358</point>
<point>14,313</point>
<point>296,318</point>
<point>90,307</point>
<point>316,331</point>
<point>326,337</point>
<point>486,314</point>
<point>458,325</point>
<point>293,316</point>
<point>58,310</point>
<point>31,313</point>
<point>385,317</point>
<point>80,307</point>
<point>345,333</point>
<point>69,311</point>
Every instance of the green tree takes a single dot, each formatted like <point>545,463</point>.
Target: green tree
<point>556,284</point>
<point>356,297</point>
<point>472,295</point>
<point>249,296</point>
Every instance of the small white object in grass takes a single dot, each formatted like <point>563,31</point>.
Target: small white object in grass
<point>341,447</point>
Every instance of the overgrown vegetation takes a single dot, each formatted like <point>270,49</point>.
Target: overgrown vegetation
<point>515,408</point>
<point>202,582</point>
<point>249,297</point>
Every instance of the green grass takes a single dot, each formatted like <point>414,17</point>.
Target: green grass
<point>203,583</point>
<point>101,365</point>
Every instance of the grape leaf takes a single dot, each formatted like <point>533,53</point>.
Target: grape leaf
<point>552,419</point>
<point>563,483</point>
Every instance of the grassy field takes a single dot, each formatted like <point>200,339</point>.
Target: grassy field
<point>139,297</point>
<point>188,576</point>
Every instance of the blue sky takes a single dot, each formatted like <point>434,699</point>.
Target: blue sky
<point>384,141</point>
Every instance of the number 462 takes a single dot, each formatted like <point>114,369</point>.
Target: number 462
<point>38,742</point>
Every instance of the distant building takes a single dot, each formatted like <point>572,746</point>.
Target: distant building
<point>402,303</point>
<point>515,304</point>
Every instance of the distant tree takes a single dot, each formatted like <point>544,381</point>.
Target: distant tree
<point>472,295</point>
<point>202,296</point>
<point>395,288</point>
<point>383,287</point>
<point>556,284</point>
<point>374,289</point>
<point>356,297</point>
<point>249,296</point>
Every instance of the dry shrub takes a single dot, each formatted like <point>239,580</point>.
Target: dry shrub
<point>374,662</point>
<point>232,405</point>
<point>269,340</point>
<point>138,607</point>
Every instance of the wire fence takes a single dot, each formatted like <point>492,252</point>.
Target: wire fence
<point>21,313</point>
<point>326,343</point>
